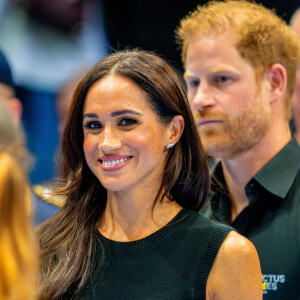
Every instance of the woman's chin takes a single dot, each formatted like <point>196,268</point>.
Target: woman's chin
<point>114,186</point>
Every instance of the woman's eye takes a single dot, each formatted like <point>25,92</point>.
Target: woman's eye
<point>127,122</point>
<point>93,125</point>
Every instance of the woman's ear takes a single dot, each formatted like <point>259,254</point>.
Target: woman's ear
<point>277,78</point>
<point>175,130</point>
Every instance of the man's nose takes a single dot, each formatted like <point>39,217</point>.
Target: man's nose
<point>203,97</point>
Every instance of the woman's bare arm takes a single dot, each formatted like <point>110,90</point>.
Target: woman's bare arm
<point>236,272</point>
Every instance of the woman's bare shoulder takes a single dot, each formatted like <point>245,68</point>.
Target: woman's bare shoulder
<point>236,272</point>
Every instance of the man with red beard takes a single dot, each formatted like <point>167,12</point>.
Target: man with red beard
<point>240,64</point>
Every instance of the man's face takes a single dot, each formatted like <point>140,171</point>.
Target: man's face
<point>296,96</point>
<point>296,100</point>
<point>231,113</point>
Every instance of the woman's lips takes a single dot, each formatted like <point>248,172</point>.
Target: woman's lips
<point>114,162</point>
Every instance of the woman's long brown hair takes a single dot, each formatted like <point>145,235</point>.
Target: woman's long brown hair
<point>68,239</point>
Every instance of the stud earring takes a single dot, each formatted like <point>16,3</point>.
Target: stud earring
<point>170,146</point>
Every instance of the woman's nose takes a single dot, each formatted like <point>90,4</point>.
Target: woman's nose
<point>109,141</point>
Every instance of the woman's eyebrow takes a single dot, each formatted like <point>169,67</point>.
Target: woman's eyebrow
<point>113,114</point>
<point>90,116</point>
<point>123,112</point>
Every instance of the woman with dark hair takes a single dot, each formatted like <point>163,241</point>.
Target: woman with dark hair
<point>134,175</point>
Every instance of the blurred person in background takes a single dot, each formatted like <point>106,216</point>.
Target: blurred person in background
<point>12,134</point>
<point>19,268</point>
<point>64,100</point>
<point>7,90</point>
<point>295,24</point>
<point>47,42</point>
<point>62,105</point>
<point>12,137</point>
<point>240,66</point>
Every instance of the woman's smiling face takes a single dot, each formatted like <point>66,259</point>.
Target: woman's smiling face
<point>124,140</point>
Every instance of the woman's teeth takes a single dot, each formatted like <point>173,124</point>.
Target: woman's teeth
<point>114,162</point>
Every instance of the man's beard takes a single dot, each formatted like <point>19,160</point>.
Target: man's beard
<point>235,135</point>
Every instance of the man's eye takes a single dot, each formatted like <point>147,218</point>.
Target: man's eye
<point>194,83</point>
<point>93,125</point>
<point>222,79</point>
<point>127,122</point>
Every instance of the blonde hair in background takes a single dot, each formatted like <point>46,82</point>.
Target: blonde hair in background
<point>18,256</point>
<point>262,38</point>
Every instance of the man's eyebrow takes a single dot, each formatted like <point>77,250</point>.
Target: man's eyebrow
<point>213,70</point>
<point>222,69</point>
<point>123,112</point>
<point>188,74</point>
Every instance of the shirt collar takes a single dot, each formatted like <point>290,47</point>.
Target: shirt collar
<point>276,176</point>
<point>279,173</point>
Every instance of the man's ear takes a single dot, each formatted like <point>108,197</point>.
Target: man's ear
<point>175,130</point>
<point>277,78</point>
<point>16,108</point>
